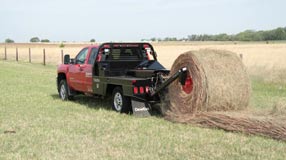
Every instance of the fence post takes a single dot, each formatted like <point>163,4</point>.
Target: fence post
<point>44,57</point>
<point>16,54</point>
<point>5,52</point>
<point>62,53</point>
<point>241,56</point>
<point>30,55</point>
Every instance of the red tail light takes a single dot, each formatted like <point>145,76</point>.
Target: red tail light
<point>141,90</point>
<point>135,90</point>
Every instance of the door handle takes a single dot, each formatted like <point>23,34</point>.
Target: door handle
<point>81,67</point>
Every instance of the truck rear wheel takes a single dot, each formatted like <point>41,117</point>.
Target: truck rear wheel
<point>63,91</point>
<point>120,103</point>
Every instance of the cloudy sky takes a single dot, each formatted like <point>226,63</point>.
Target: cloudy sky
<point>132,20</point>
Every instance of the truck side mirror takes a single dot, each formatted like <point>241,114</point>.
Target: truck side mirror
<point>72,61</point>
<point>67,59</point>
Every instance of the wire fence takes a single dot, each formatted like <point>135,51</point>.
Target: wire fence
<point>32,55</point>
<point>38,53</point>
<point>41,54</point>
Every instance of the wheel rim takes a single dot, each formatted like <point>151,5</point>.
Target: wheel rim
<point>63,92</point>
<point>118,101</point>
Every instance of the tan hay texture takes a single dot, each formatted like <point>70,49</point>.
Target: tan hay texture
<point>244,123</point>
<point>220,83</point>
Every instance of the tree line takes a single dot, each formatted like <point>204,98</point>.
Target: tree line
<point>37,40</point>
<point>248,35</point>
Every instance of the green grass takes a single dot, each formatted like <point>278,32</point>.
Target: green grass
<point>265,94</point>
<point>48,128</point>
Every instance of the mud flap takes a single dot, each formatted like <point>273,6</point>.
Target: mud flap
<point>140,108</point>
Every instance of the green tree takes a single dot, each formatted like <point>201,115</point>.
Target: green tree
<point>279,34</point>
<point>192,37</point>
<point>269,35</point>
<point>153,39</point>
<point>170,39</point>
<point>45,40</point>
<point>8,40</point>
<point>247,35</point>
<point>222,37</point>
<point>35,39</point>
<point>62,45</point>
<point>92,40</point>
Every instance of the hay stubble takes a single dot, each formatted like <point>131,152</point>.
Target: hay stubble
<point>221,84</point>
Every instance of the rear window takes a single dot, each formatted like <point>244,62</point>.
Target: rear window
<point>130,53</point>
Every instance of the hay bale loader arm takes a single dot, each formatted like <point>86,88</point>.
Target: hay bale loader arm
<point>181,74</point>
<point>141,107</point>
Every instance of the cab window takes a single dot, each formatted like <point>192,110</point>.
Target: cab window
<point>80,58</point>
<point>127,53</point>
<point>93,55</point>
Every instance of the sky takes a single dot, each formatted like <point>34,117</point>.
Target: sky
<point>133,20</point>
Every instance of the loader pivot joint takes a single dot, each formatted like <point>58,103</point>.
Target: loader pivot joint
<point>181,74</point>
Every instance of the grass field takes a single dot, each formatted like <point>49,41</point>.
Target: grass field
<point>48,128</point>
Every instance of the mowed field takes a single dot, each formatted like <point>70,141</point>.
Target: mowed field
<point>254,53</point>
<point>36,124</point>
<point>260,58</point>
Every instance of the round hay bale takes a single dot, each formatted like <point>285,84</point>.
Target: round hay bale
<point>220,83</point>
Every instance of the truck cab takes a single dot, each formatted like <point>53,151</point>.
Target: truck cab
<point>78,71</point>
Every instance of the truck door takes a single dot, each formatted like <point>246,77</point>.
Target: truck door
<point>75,70</point>
<point>87,71</point>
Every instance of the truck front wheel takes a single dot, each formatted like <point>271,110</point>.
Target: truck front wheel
<point>120,103</point>
<point>63,91</point>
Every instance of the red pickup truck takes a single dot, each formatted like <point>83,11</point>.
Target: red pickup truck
<point>129,72</point>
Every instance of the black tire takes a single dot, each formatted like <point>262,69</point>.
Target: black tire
<point>120,103</point>
<point>64,91</point>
